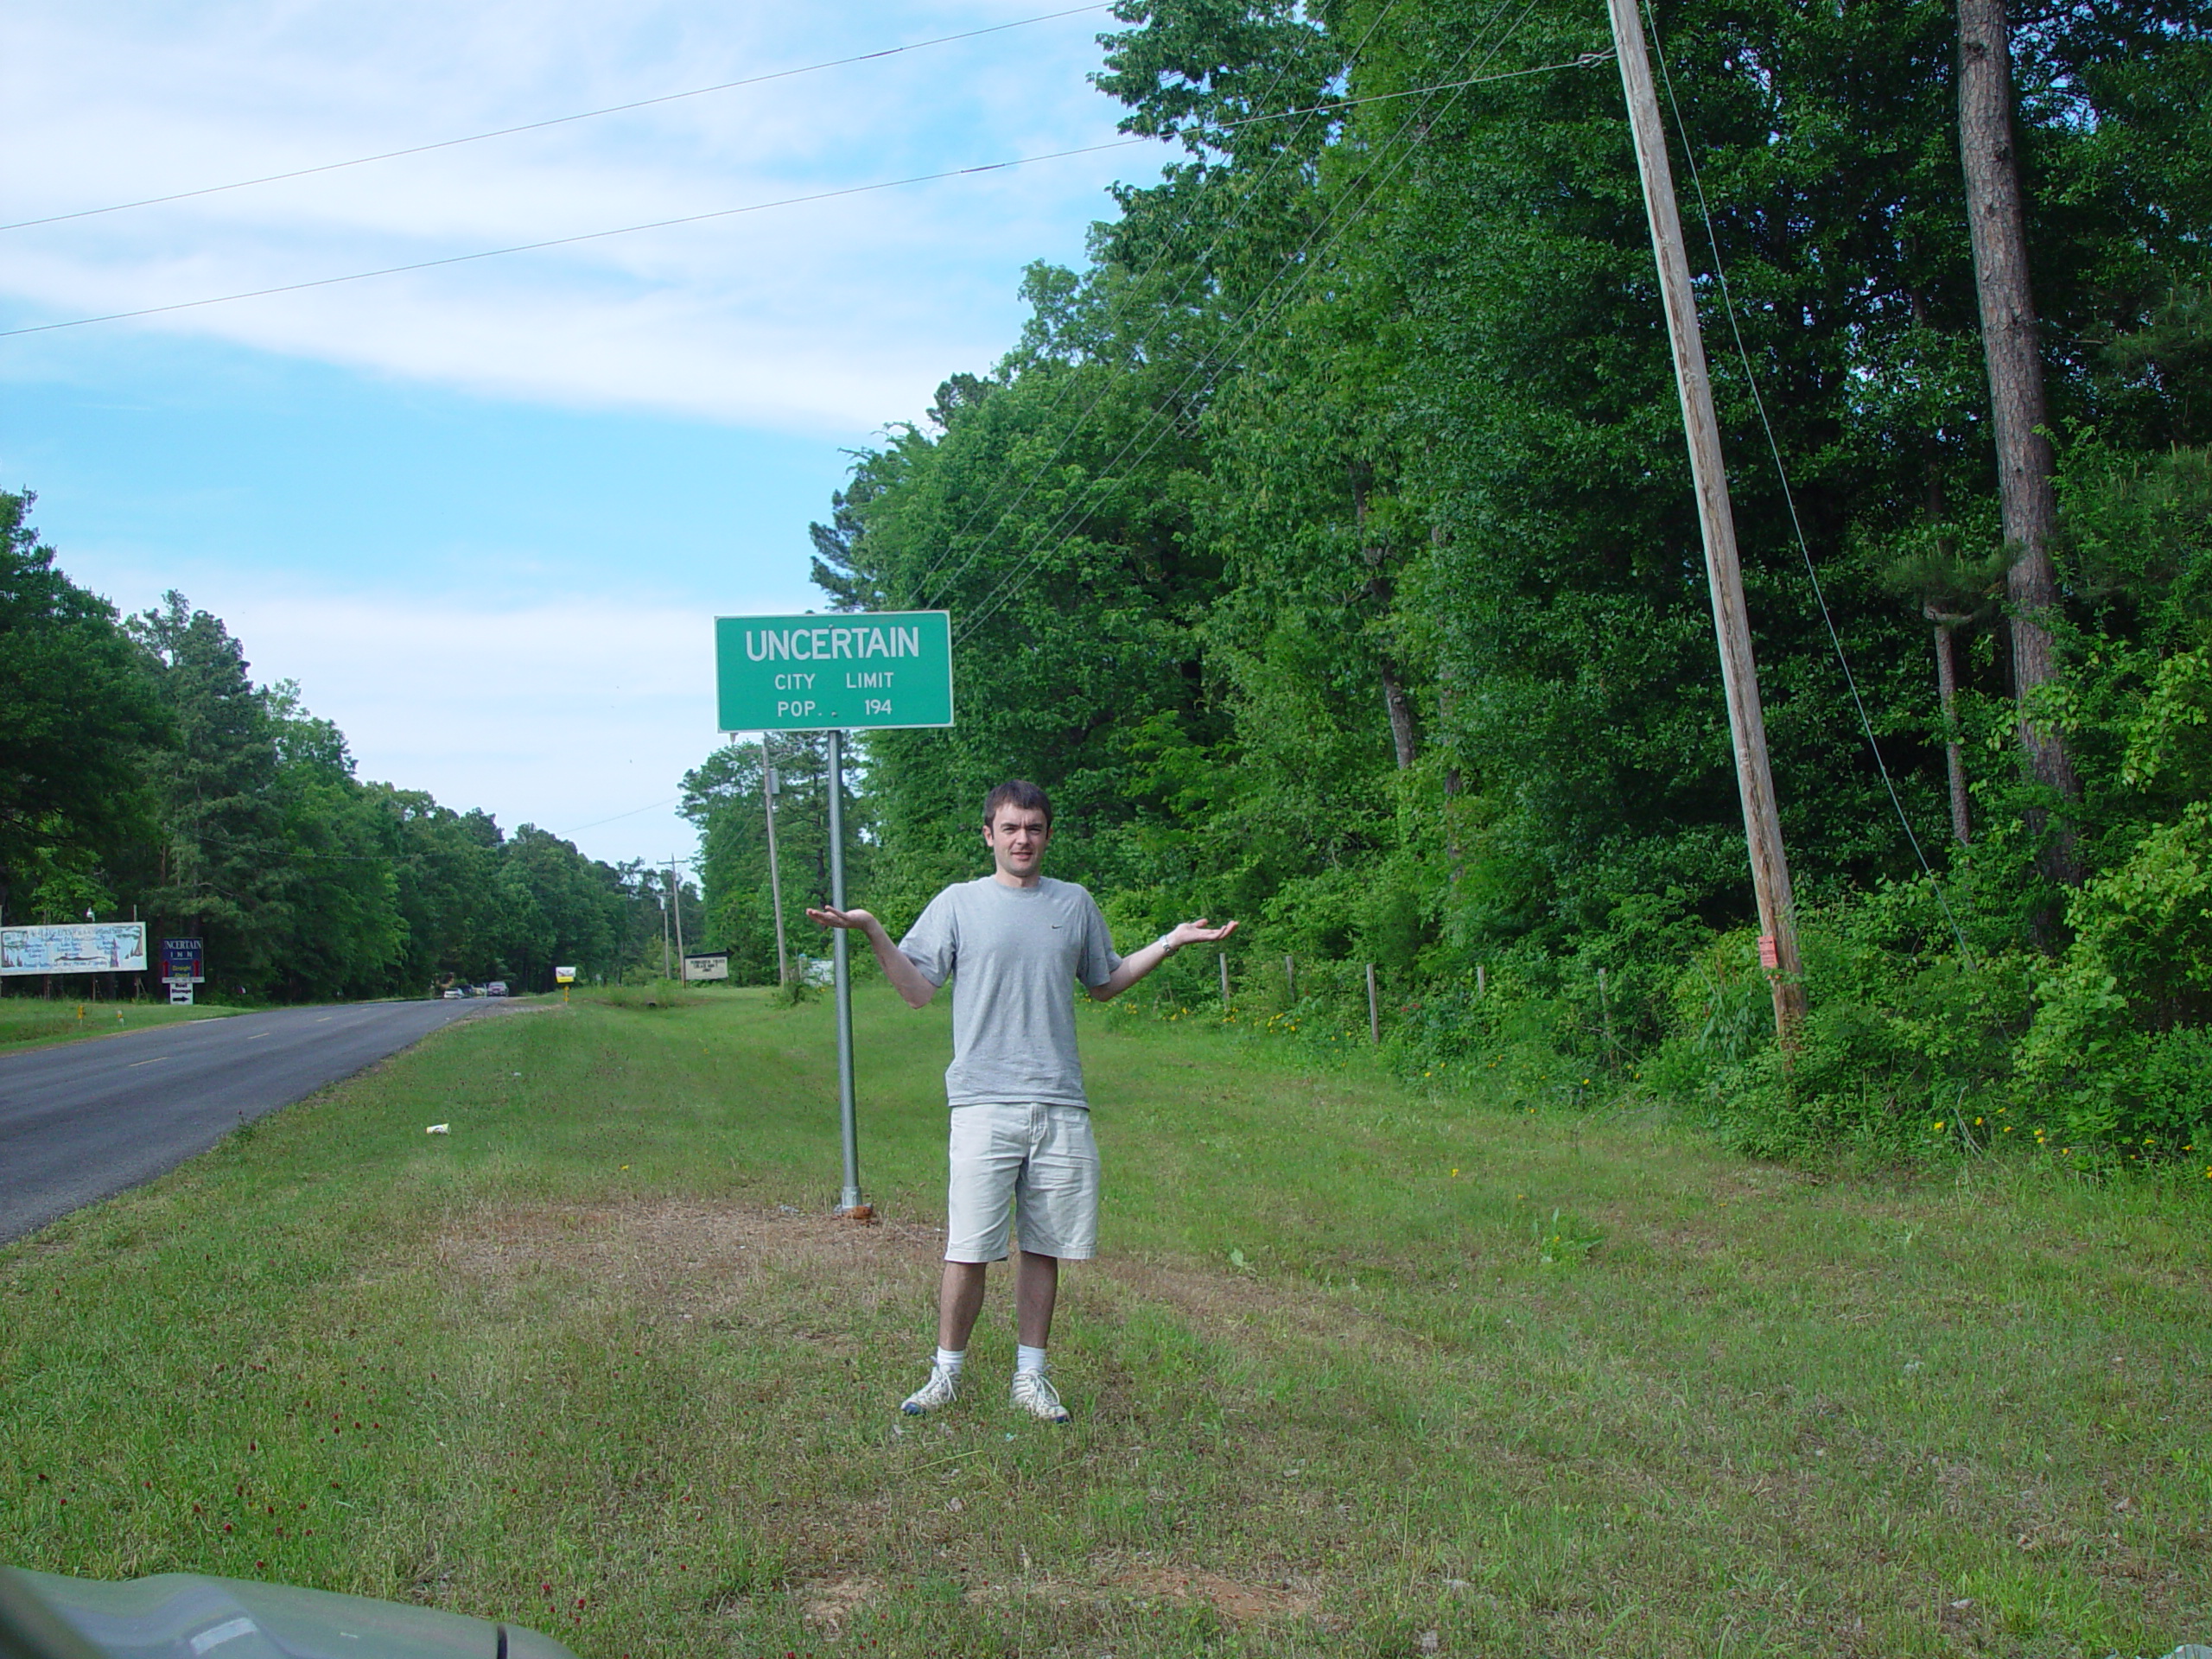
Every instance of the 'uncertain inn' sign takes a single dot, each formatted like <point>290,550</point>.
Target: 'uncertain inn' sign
<point>844,671</point>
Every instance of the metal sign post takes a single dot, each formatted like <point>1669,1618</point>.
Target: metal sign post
<point>775,879</point>
<point>841,956</point>
<point>834,673</point>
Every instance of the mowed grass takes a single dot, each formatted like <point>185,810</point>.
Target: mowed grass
<point>32,1021</point>
<point>1360,1370</point>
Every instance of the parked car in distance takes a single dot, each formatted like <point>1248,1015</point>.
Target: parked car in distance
<point>496,987</point>
<point>452,993</point>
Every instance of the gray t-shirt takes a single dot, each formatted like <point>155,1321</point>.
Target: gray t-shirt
<point>1013,955</point>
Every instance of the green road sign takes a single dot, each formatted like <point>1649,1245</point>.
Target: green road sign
<point>844,671</point>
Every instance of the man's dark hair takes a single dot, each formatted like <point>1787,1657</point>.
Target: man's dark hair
<point>1020,794</point>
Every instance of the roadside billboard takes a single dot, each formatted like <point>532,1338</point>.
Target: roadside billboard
<point>711,964</point>
<point>74,947</point>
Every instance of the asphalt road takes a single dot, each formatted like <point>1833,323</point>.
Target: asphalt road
<point>82,1121</point>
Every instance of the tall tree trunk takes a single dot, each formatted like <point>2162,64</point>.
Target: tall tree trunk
<point>1946,685</point>
<point>1999,225</point>
<point>1401,714</point>
<point>1455,857</point>
<point>1404,735</point>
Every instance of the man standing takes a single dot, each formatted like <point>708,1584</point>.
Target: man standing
<point>1013,943</point>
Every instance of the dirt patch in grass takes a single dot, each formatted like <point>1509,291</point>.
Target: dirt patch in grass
<point>1118,1582</point>
<point>704,1257</point>
<point>830,1605</point>
<point>1221,1301</point>
<point>698,1257</point>
<point>1241,1604</point>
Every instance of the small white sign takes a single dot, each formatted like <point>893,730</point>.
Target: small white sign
<point>713,964</point>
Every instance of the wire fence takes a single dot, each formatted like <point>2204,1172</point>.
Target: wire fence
<point>1592,1019</point>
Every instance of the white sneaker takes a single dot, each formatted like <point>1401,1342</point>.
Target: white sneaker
<point>1033,1393</point>
<point>942,1389</point>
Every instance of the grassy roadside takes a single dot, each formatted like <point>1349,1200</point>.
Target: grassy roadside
<point>32,1021</point>
<point>1362,1371</point>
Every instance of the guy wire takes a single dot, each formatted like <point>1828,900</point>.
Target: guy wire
<point>1781,472</point>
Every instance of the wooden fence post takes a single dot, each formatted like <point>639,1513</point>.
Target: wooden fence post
<point>1374,1014</point>
<point>1290,978</point>
<point>1223,960</point>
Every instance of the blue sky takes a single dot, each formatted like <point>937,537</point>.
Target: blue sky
<point>484,515</point>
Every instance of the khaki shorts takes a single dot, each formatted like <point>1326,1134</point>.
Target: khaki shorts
<point>1037,1158</point>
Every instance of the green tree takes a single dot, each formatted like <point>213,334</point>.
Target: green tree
<point>77,711</point>
<point>221,866</point>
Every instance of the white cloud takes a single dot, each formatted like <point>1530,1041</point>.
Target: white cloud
<point>567,708</point>
<point>830,316</point>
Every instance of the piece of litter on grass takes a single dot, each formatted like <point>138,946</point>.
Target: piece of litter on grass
<point>439,1128</point>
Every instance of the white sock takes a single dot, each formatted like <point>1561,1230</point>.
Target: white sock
<point>1026,1358</point>
<point>949,1360</point>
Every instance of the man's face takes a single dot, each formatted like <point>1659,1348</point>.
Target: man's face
<point>1016,838</point>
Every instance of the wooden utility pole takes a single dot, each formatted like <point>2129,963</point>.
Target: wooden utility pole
<point>1997,224</point>
<point>675,898</point>
<point>1724,575</point>
<point>775,881</point>
<point>1947,690</point>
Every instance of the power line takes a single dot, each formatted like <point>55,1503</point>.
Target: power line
<point>596,823</point>
<point>921,584</point>
<point>653,225</point>
<point>1789,497</point>
<point>569,241</point>
<point>551,121</point>
<point>1297,266</point>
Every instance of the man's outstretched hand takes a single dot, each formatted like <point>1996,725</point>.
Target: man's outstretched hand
<point>1138,964</point>
<point>897,967</point>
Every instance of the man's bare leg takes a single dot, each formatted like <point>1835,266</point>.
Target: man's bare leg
<point>960,1299</point>
<point>1037,1288</point>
